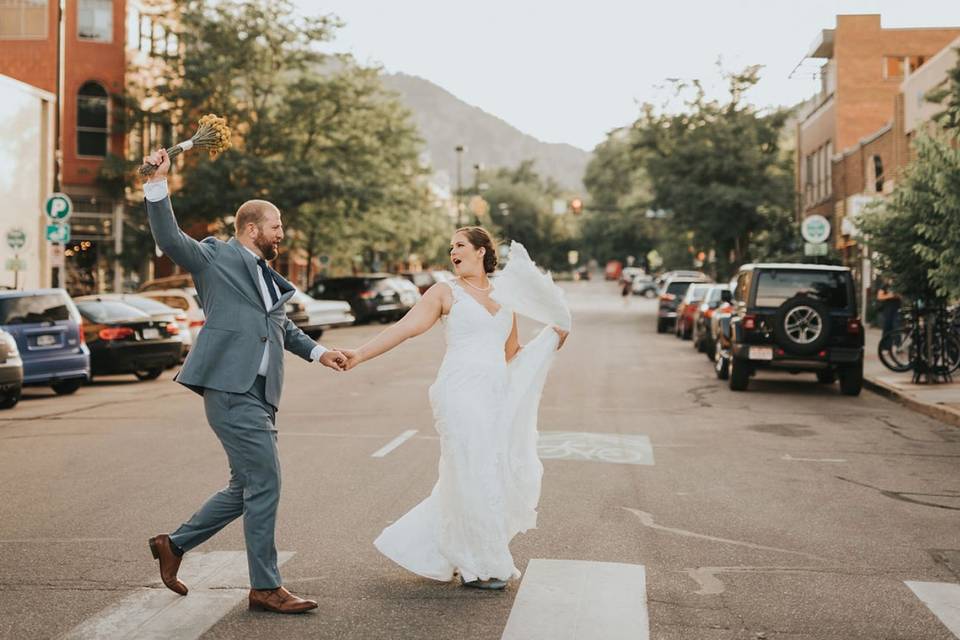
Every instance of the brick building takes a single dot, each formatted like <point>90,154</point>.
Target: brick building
<point>91,37</point>
<point>864,67</point>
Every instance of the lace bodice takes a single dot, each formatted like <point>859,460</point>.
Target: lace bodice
<point>474,334</point>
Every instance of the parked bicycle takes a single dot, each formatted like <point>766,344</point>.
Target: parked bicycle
<point>926,341</point>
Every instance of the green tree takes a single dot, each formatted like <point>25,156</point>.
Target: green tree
<point>717,167</point>
<point>316,134</point>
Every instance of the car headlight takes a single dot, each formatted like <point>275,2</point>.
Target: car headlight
<point>12,351</point>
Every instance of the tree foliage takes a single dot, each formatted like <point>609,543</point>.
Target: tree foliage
<point>316,134</point>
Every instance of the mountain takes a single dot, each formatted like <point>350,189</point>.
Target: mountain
<point>445,121</point>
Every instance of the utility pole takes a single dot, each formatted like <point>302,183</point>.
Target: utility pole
<point>57,149</point>
<point>460,149</point>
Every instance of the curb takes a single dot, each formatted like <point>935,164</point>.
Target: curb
<point>937,412</point>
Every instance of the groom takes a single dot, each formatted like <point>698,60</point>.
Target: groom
<point>237,366</point>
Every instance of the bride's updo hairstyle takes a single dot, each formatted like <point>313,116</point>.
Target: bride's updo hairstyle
<point>480,237</point>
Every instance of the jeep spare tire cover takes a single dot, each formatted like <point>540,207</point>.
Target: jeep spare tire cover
<point>802,325</point>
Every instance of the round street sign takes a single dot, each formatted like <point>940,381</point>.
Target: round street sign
<point>58,206</point>
<point>16,238</point>
<point>815,229</point>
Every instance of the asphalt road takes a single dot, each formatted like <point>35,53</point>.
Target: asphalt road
<point>789,511</point>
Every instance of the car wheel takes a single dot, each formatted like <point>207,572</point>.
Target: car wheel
<point>10,400</point>
<point>660,327</point>
<point>66,387</point>
<point>649,293</point>
<point>826,377</point>
<point>708,347</point>
<point>721,364</point>
<point>851,379</point>
<point>739,374</point>
<point>802,325</point>
<point>149,374</point>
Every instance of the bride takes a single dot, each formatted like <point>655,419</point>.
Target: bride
<point>484,402</point>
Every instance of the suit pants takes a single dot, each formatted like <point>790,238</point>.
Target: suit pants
<point>245,425</point>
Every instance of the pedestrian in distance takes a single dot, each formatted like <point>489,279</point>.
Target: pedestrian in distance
<point>888,306</point>
<point>236,364</point>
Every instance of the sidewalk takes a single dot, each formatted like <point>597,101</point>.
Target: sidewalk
<point>940,401</point>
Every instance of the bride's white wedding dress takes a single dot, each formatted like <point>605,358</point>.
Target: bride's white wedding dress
<point>485,411</point>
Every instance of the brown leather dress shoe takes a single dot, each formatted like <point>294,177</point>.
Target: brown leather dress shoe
<point>279,600</point>
<point>169,563</point>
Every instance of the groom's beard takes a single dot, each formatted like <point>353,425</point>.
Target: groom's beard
<point>267,248</point>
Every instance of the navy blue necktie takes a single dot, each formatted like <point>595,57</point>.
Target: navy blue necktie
<point>268,278</point>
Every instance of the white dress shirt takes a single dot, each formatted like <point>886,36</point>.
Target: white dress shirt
<point>156,191</point>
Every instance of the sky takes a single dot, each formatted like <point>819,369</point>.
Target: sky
<point>572,71</point>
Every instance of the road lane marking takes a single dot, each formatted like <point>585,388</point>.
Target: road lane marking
<point>580,600</point>
<point>710,584</point>
<point>217,582</point>
<point>943,599</point>
<point>789,457</point>
<point>393,444</point>
<point>647,520</point>
<point>614,448</point>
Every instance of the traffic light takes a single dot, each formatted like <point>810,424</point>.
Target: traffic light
<point>576,205</point>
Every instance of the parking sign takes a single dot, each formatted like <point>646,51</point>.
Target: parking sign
<point>58,207</point>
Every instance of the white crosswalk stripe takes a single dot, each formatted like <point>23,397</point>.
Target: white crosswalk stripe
<point>580,600</point>
<point>217,582</point>
<point>393,444</point>
<point>943,599</point>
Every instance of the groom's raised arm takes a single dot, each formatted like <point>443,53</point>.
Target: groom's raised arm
<point>182,249</point>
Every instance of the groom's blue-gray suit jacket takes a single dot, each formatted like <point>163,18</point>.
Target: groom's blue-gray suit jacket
<point>229,348</point>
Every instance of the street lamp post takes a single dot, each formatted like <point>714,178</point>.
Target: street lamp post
<point>460,149</point>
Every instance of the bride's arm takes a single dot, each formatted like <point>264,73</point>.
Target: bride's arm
<point>512,346</point>
<point>420,318</point>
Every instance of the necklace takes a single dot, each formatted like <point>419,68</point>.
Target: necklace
<point>466,282</point>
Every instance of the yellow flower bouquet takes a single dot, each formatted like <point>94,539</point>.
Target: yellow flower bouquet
<point>213,134</point>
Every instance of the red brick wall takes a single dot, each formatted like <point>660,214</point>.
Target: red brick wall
<point>865,99</point>
<point>33,61</point>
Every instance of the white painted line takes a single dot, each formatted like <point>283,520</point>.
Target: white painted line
<point>579,600</point>
<point>943,599</point>
<point>616,448</point>
<point>218,582</point>
<point>789,457</point>
<point>393,444</point>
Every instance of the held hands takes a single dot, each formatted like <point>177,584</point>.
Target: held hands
<point>334,360</point>
<point>161,160</point>
<point>353,358</point>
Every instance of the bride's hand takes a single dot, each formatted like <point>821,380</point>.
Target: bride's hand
<point>563,336</point>
<point>353,358</point>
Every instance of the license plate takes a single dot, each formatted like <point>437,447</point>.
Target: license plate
<point>151,333</point>
<point>46,341</point>
<point>761,353</point>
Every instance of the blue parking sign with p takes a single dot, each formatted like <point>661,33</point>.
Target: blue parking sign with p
<point>58,206</point>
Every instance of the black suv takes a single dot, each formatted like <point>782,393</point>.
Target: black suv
<point>371,296</point>
<point>796,317</point>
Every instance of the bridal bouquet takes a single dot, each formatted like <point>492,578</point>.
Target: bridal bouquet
<point>213,134</point>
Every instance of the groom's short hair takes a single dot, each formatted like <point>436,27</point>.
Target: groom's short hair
<point>252,211</point>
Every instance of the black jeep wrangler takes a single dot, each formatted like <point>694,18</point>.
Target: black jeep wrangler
<point>796,318</point>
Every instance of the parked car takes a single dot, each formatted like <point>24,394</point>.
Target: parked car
<point>408,292</point>
<point>693,275</point>
<point>156,310</point>
<point>46,326</point>
<point>702,338</point>
<point>720,332</point>
<point>11,371</point>
<point>671,293</point>
<point>322,314</point>
<point>371,296</point>
<point>644,286</point>
<point>186,300</point>
<point>426,278</point>
<point>687,307</point>
<point>613,270</point>
<point>796,318</point>
<point>123,339</point>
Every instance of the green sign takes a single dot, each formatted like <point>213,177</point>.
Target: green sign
<point>58,233</point>
<point>58,206</point>
<point>16,238</point>
<point>16,264</point>
<point>815,229</point>
<point>814,248</point>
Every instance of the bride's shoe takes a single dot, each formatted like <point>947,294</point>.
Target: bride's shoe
<point>490,585</point>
